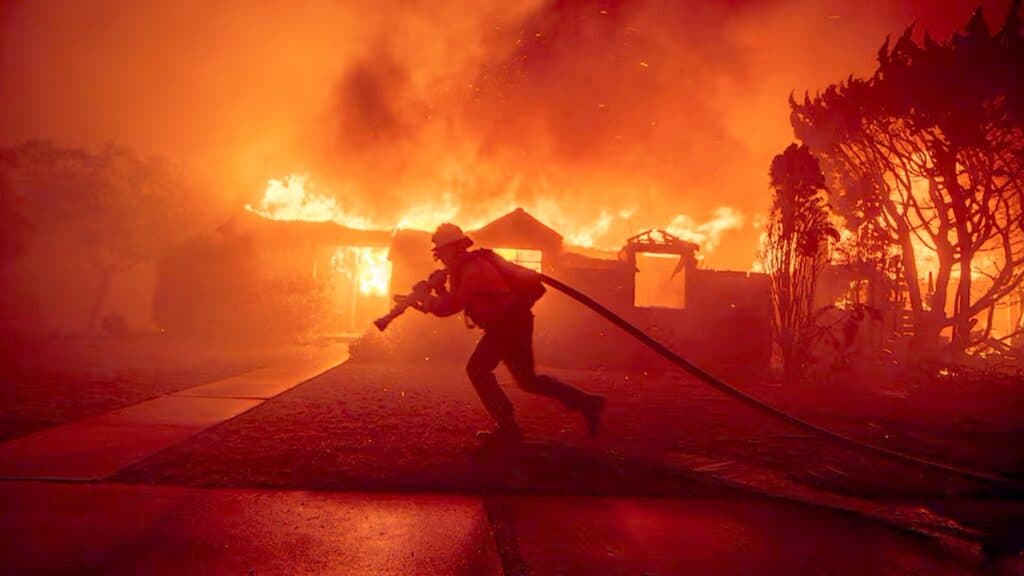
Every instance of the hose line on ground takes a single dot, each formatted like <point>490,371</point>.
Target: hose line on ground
<point>685,364</point>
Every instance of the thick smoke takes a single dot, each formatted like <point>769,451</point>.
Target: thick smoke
<point>616,115</point>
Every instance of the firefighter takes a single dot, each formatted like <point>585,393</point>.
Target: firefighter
<point>497,296</point>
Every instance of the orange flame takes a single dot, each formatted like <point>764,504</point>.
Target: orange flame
<point>707,234</point>
<point>289,199</point>
<point>295,198</point>
<point>368,267</point>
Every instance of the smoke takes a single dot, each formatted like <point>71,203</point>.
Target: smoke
<point>610,115</point>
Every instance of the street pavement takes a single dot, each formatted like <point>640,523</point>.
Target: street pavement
<point>61,528</point>
<point>60,514</point>
<point>102,528</point>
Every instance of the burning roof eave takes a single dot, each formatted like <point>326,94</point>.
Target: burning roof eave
<point>327,233</point>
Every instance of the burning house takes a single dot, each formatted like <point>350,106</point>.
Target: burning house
<point>274,279</point>
<point>719,318</point>
<point>280,279</point>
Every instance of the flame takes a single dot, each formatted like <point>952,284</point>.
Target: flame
<point>706,234</point>
<point>289,199</point>
<point>294,197</point>
<point>532,259</point>
<point>586,234</point>
<point>428,216</point>
<point>368,267</point>
<point>925,254</point>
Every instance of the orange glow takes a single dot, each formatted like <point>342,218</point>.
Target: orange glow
<point>532,259</point>
<point>289,199</point>
<point>657,282</point>
<point>369,268</point>
<point>706,234</point>
<point>296,197</point>
<point>662,108</point>
<point>925,253</point>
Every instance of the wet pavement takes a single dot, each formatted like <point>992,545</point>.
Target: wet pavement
<point>60,528</point>
<point>64,528</point>
<point>59,514</point>
<point>565,535</point>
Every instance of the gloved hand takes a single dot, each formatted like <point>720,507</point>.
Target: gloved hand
<point>417,298</point>
<point>437,279</point>
<point>421,289</point>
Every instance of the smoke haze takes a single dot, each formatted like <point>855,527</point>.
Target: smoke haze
<point>613,116</point>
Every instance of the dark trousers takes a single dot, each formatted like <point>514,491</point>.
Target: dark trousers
<point>511,341</point>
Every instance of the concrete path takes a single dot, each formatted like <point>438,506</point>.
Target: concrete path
<point>95,448</point>
<point>62,528</point>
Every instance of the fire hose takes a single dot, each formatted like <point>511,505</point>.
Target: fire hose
<point>710,379</point>
<point>725,388</point>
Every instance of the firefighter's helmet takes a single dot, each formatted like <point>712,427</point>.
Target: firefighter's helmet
<point>448,235</point>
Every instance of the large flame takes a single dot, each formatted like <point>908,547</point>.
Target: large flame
<point>296,198</point>
<point>293,198</point>
<point>707,234</point>
<point>983,263</point>
<point>368,267</point>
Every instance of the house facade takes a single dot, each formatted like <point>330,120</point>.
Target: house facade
<point>273,279</point>
<point>719,319</point>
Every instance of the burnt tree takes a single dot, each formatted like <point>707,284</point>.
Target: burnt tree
<point>929,153</point>
<point>794,252</point>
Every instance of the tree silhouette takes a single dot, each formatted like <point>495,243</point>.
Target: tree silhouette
<point>794,251</point>
<point>13,221</point>
<point>929,153</point>
<point>111,207</point>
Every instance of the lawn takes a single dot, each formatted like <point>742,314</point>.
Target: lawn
<point>49,380</point>
<point>410,426</point>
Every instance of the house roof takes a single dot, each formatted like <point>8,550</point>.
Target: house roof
<point>518,229</point>
<point>659,241</point>
<point>289,231</point>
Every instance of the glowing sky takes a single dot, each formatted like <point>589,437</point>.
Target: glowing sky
<point>638,112</point>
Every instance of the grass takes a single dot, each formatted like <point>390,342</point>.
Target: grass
<point>50,380</point>
<point>410,426</point>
